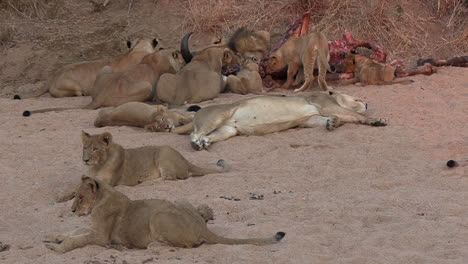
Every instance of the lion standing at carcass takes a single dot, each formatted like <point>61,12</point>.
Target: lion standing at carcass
<point>199,80</point>
<point>114,165</point>
<point>306,52</point>
<point>368,72</point>
<point>139,223</point>
<point>77,79</point>
<point>268,114</point>
<point>135,84</point>
<point>155,118</point>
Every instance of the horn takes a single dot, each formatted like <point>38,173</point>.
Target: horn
<point>184,48</point>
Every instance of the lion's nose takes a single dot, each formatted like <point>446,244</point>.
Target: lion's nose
<point>73,210</point>
<point>86,160</point>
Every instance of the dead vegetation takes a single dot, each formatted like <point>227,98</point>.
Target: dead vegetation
<point>400,26</point>
<point>33,9</point>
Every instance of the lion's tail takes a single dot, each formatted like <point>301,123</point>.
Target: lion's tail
<point>213,238</point>
<point>44,89</point>
<point>91,106</point>
<point>198,171</point>
<point>182,130</point>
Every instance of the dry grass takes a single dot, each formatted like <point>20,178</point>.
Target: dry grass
<point>402,30</point>
<point>33,9</point>
<point>6,36</point>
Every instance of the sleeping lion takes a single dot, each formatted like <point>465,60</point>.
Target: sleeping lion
<point>268,114</point>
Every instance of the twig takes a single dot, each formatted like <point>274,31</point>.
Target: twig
<point>21,13</point>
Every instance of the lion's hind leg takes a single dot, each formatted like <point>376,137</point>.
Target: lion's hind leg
<point>329,122</point>
<point>308,70</point>
<point>220,134</point>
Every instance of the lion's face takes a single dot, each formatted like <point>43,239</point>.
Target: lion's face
<point>95,147</point>
<point>350,102</point>
<point>161,121</point>
<point>251,63</point>
<point>86,196</point>
<point>274,63</point>
<point>353,61</point>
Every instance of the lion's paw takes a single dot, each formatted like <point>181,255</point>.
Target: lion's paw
<point>379,122</point>
<point>55,247</point>
<point>206,142</point>
<point>332,123</point>
<point>57,239</point>
<point>196,144</point>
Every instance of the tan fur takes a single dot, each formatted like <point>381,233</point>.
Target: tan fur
<point>77,79</point>
<point>306,51</point>
<point>135,84</point>
<point>248,79</point>
<point>198,81</point>
<point>368,72</point>
<point>139,223</point>
<point>267,114</point>
<point>247,43</point>
<point>156,118</point>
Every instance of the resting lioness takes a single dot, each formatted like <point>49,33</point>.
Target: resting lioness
<point>306,51</point>
<point>77,79</point>
<point>139,223</point>
<point>199,80</point>
<point>156,118</point>
<point>267,114</point>
<point>248,79</point>
<point>368,72</point>
<point>115,165</point>
<point>132,85</point>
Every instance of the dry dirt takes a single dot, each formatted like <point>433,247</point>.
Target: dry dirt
<point>358,194</point>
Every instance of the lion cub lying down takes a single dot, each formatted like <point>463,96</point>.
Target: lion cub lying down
<point>156,118</point>
<point>266,114</point>
<point>139,223</point>
<point>368,72</point>
<point>248,79</point>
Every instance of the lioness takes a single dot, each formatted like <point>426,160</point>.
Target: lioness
<point>139,223</point>
<point>156,118</point>
<point>267,114</point>
<point>199,80</point>
<point>77,79</point>
<point>248,79</point>
<point>132,85</point>
<point>306,52</point>
<point>368,72</point>
<point>247,43</point>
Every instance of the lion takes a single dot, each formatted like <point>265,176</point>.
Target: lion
<point>248,79</point>
<point>77,79</point>
<point>306,52</point>
<point>199,80</point>
<point>368,72</point>
<point>114,165</point>
<point>155,118</point>
<point>140,224</point>
<point>135,84</point>
<point>247,43</point>
<point>267,114</point>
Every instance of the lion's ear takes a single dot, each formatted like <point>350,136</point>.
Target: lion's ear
<point>106,138</point>
<point>227,57</point>
<point>155,43</point>
<point>85,136</point>
<point>91,183</point>
<point>175,54</point>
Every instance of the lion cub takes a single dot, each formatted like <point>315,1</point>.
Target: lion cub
<point>115,165</point>
<point>155,118</point>
<point>368,72</point>
<point>307,52</point>
<point>248,79</point>
<point>139,223</point>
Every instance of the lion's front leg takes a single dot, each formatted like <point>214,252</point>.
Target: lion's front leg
<point>64,244</point>
<point>292,71</point>
<point>329,122</point>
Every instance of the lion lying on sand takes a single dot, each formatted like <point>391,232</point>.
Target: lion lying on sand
<point>77,79</point>
<point>368,72</point>
<point>266,114</point>
<point>139,223</point>
<point>114,165</point>
<point>135,84</point>
<point>155,118</point>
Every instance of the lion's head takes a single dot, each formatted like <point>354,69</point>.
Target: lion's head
<point>350,102</point>
<point>353,61</point>
<point>86,196</point>
<point>161,122</point>
<point>251,63</point>
<point>274,62</point>
<point>95,147</point>
<point>165,60</point>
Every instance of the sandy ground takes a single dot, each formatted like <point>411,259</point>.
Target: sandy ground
<point>358,194</point>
